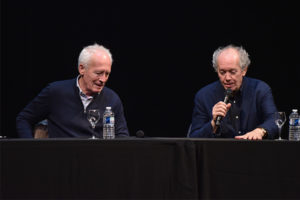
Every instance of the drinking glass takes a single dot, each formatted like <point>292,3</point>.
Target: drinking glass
<point>280,119</point>
<point>93,117</point>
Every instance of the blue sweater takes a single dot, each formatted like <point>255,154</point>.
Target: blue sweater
<point>61,105</point>
<point>255,108</point>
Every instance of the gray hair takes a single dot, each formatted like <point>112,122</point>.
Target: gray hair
<point>243,56</point>
<point>87,51</point>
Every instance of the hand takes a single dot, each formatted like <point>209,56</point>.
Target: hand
<point>40,131</point>
<point>256,134</point>
<point>219,109</point>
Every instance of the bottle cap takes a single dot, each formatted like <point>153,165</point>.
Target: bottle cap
<point>108,107</point>
<point>295,110</point>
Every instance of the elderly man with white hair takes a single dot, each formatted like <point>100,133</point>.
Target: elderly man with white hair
<point>65,103</point>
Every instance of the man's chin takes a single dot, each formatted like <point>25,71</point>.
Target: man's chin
<point>99,89</point>
<point>229,87</point>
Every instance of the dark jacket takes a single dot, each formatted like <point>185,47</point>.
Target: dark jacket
<point>255,108</point>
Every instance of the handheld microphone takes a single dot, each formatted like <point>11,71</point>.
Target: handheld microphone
<point>228,94</point>
<point>140,134</point>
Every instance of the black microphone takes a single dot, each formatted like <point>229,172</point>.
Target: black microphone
<point>140,134</point>
<point>228,94</point>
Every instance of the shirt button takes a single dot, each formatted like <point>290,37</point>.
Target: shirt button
<point>236,117</point>
<point>234,101</point>
<point>240,132</point>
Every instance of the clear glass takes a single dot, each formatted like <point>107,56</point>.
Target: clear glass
<point>280,119</point>
<point>93,117</point>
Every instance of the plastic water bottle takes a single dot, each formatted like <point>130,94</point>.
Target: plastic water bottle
<point>294,125</point>
<point>108,124</point>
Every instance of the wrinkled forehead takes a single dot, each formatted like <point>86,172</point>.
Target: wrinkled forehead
<point>228,59</point>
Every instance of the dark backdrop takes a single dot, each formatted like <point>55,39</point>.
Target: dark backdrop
<point>162,52</point>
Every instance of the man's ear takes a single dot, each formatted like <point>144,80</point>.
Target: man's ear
<point>244,71</point>
<point>81,69</point>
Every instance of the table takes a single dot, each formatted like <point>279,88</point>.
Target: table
<point>149,168</point>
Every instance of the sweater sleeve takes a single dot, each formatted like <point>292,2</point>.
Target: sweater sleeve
<point>268,108</point>
<point>201,126</point>
<point>121,129</point>
<point>34,112</point>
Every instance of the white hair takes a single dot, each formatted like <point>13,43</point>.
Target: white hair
<point>244,59</point>
<point>86,52</point>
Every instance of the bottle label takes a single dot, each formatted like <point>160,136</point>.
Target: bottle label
<point>294,122</point>
<point>110,120</point>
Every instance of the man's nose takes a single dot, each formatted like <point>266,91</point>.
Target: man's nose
<point>103,78</point>
<point>227,76</point>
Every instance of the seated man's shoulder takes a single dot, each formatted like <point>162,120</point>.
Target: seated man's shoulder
<point>61,87</point>
<point>62,83</point>
<point>256,83</point>
<point>208,89</point>
<point>110,93</point>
